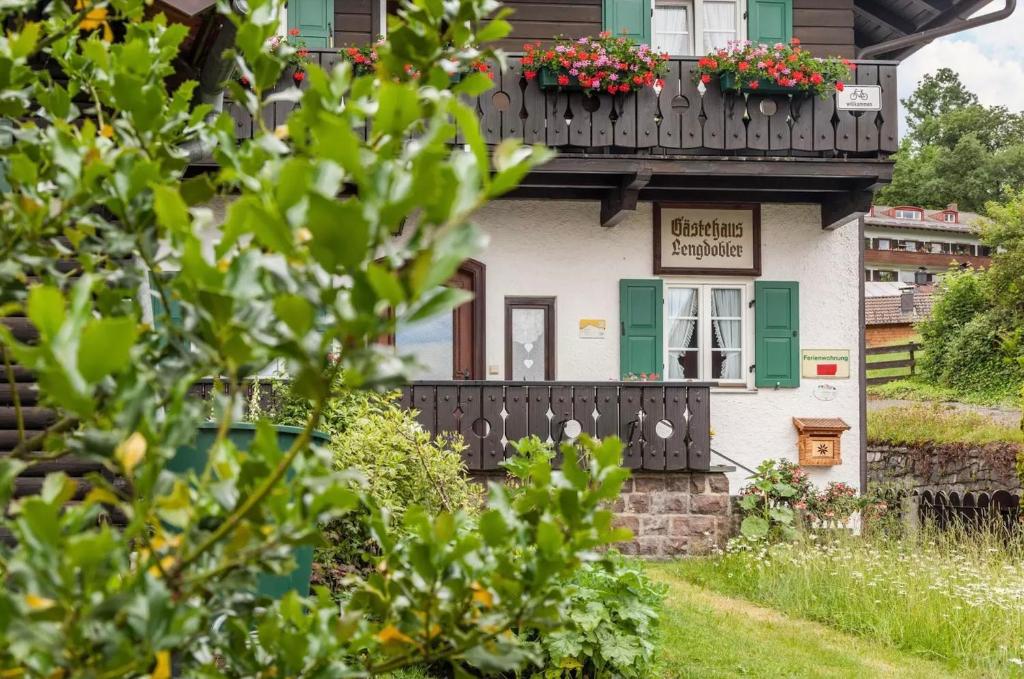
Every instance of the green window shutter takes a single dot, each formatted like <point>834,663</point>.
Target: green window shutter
<point>314,19</point>
<point>770,21</point>
<point>640,322</point>
<point>776,334</point>
<point>628,18</point>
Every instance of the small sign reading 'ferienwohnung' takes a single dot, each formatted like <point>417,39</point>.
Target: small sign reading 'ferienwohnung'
<point>825,363</point>
<point>707,238</point>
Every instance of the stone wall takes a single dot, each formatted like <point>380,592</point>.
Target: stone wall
<point>673,513</point>
<point>945,467</point>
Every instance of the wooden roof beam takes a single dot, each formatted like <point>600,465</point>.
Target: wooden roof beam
<point>623,199</point>
<point>885,16</point>
<point>844,207</point>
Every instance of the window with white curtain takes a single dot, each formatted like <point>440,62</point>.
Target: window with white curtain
<point>672,20</point>
<point>704,330</point>
<point>682,27</point>
<point>721,23</point>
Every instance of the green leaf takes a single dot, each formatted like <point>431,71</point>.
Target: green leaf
<point>46,310</point>
<point>105,347</point>
<point>341,236</point>
<point>296,312</point>
<point>754,527</point>
<point>171,210</point>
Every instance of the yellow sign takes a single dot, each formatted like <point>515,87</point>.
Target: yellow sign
<point>593,328</point>
<point>825,363</point>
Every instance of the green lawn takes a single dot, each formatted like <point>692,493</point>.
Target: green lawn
<point>708,635</point>
<point>895,356</point>
<point>932,423</point>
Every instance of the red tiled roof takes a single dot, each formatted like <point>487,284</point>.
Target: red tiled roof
<point>888,311</point>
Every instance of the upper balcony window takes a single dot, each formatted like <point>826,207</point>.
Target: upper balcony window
<point>907,213</point>
<point>676,22</point>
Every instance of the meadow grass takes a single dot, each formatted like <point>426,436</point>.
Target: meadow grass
<point>952,598</point>
<point>933,423</point>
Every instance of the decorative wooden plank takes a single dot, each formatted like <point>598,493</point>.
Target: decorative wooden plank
<point>607,401</point>
<point>493,105</point>
<point>735,126</point>
<point>405,400</point>
<point>888,135</point>
<point>579,128</point>
<point>539,402</point>
<point>556,110</point>
<point>625,124</point>
<point>517,420</point>
<point>824,131</point>
<point>646,118</point>
<point>675,415</point>
<point>778,125</point>
<point>670,130</point>
<point>534,131</point>
<point>599,107</point>
<point>630,402</point>
<point>243,121</point>
<point>511,122</point>
<point>698,451</point>
<point>583,408</point>
<point>448,411</point>
<point>867,130</point>
<point>802,112</point>
<point>654,412</point>
<point>491,451</point>
<point>471,424</point>
<point>424,400</point>
<point>757,126</point>
<point>689,107</point>
<point>846,131</point>
<point>561,407</point>
<point>714,118</point>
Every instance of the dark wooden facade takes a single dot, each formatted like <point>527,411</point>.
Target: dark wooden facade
<point>664,427</point>
<point>825,27</point>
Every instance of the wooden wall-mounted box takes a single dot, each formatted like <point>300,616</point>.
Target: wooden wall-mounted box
<point>819,440</point>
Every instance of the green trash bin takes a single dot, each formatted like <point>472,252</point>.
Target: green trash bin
<point>193,457</point>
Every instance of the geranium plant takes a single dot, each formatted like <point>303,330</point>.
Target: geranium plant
<point>748,67</point>
<point>292,50</point>
<point>364,60</point>
<point>602,64</point>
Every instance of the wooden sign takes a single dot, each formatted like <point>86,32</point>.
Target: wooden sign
<point>707,238</point>
<point>818,440</point>
<point>825,363</point>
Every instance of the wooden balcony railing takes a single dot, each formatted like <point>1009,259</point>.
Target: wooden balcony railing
<point>684,119</point>
<point>664,426</point>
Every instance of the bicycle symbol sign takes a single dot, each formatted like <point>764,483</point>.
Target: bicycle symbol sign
<point>860,98</point>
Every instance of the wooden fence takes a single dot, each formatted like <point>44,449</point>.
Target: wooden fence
<point>900,363</point>
<point>685,117</point>
<point>664,427</point>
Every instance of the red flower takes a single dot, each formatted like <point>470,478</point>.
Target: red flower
<point>743,66</point>
<point>840,87</point>
<point>754,84</point>
<point>705,79</point>
<point>563,80</point>
<point>527,60</point>
<point>302,52</point>
<point>244,81</point>
<point>298,76</point>
<point>637,80</point>
<point>529,75</point>
<point>352,51</point>
<point>294,31</point>
<point>795,42</point>
<point>659,83</point>
<point>549,55</point>
<point>816,78</point>
<point>612,89</point>
<point>792,58</point>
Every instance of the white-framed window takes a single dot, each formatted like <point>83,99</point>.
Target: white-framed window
<point>884,244</point>
<point>949,217</point>
<point>907,214</point>
<point>685,27</point>
<point>672,27</point>
<point>706,332</point>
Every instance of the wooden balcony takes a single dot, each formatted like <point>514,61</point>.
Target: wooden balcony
<point>664,426</point>
<point>686,142</point>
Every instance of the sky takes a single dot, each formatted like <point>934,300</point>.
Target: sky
<point>988,59</point>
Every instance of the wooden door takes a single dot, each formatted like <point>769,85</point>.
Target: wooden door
<point>464,336</point>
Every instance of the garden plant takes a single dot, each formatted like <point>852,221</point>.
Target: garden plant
<point>96,207</point>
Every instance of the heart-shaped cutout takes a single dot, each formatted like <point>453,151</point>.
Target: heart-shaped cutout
<point>528,363</point>
<point>528,346</point>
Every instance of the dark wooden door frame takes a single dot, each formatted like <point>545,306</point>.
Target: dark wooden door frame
<point>532,302</point>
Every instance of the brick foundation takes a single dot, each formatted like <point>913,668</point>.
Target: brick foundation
<point>672,513</point>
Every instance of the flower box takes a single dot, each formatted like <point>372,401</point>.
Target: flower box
<point>547,79</point>
<point>727,81</point>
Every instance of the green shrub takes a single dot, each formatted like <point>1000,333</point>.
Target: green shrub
<point>403,466</point>
<point>609,624</point>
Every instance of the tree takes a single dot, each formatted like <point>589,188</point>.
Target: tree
<point>956,150</point>
<point>98,206</point>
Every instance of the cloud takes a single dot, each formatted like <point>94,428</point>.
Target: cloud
<point>988,59</point>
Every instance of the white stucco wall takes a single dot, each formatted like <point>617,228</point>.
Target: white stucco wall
<point>558,248</point>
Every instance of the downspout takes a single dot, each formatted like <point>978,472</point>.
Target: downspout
<point>931,34</point>
<point>215,73</point>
